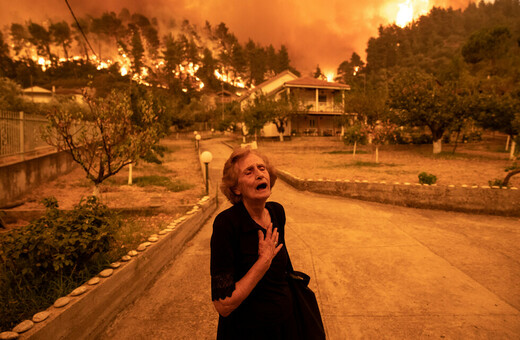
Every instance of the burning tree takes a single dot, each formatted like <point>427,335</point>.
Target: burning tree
<point>104,138</point>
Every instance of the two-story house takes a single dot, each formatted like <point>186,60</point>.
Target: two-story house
<point>321,103</point>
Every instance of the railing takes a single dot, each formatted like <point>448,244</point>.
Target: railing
<point>21,135</point>
<point>323,107</point>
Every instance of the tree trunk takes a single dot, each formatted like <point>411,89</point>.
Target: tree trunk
<point>130,174</point>
<point>95,192</point>
<point>507,142</point>
<point>281,136</point>
<point>512,151</point>
<point>354,151</point>
<point>456,142</point>
<point>437,146</point>
<point>509,175</point>
<point>377,154</point>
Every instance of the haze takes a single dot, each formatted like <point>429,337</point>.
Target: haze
<point>315,32</point>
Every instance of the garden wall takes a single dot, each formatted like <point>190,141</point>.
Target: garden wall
<point>19,178</point>
<point>471,199</point>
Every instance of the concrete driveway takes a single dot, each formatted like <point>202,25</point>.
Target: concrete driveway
<point>379,271</point>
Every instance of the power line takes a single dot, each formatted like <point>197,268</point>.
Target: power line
<point>80,29</point>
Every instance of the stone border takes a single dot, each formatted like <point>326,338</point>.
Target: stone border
<point>87,311</point>
<point>464,198</point>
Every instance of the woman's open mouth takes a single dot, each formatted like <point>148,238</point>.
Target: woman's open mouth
<point>261,186</point>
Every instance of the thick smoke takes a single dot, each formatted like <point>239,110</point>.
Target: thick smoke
<point>315,32</point>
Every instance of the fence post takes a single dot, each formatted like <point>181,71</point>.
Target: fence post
<point>22,141</point>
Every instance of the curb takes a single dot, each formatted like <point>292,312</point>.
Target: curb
<point>464,198</point>
<point>90,308</point>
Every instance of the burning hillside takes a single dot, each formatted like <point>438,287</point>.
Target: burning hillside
<point>149,52</point>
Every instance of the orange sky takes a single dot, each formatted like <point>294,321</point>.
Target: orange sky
<point>315,32</point>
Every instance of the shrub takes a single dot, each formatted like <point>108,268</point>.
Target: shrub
<point>60,240</point>
<point>51,256</point>
<point>497,182</point>
<point>426,178</point>
<point>421,139</point>
<point>398,137</point>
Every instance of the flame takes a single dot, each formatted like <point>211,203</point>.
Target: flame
<point>330,77</point>
<point>405,14</point>
<point>123,71</point>
<point>407,11</point>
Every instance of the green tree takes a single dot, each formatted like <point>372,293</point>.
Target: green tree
<point>6,63</point>
<point>137,50</point>
<point>486,44</point>
<point>10,95</point>
<point>421,100</point>
<point>105,137</point>
<point>317,73</point>
<point>284,63</point>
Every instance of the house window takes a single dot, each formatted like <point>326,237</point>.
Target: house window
<point>322,98</point>
<point>312,123</point>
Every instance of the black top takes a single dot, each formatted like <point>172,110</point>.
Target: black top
<point>234,250</point>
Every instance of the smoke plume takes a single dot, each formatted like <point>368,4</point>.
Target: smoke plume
<point>315,32</point>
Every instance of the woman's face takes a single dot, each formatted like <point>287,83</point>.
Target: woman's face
<point>253,179</point>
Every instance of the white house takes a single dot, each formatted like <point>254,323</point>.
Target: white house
<point>37,94</point>
<point>323,101</point>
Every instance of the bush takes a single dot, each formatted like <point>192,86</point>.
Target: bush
<point>60,240</point>
<point>497,182</point>
<point>51,256</point>
<point>421,139</point>
<point>398,137</point>
<point>474,136</point>
<point>425,178</point>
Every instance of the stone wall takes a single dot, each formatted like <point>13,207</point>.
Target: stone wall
<point>472,199</point>
<point>19,178</point>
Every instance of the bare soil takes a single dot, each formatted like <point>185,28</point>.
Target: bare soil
<point>474,163</point>
<point>180,164</point>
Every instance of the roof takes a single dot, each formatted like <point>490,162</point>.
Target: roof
<point>36,89</point>
<point>275,78</point>
<point>316,83</point>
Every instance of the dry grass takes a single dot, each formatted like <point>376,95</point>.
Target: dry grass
<point>328,158</point>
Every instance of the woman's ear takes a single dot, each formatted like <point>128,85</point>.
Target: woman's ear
<point>236,191</point>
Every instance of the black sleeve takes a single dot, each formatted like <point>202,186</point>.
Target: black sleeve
<point>222,259</point>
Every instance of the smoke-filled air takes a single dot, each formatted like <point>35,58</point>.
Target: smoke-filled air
<point>314,32</point>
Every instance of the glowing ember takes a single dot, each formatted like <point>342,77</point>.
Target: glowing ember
<point>123,71</point>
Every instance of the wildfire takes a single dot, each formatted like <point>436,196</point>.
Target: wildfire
<point>409,10</point>
<point>330,77</point>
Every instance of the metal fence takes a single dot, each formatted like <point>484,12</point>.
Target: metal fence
<point>21,134</point>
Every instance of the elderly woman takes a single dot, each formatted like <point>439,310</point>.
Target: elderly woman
<point>249,262</point>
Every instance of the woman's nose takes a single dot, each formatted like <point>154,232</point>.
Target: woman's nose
<point>258,174</point>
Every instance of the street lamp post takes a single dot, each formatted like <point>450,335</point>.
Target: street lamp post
<point>206,158</point>
<point>197,141</point>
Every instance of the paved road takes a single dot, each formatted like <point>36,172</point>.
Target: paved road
<point>379,271</point>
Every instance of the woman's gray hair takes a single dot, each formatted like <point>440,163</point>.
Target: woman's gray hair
<point>230,173</point>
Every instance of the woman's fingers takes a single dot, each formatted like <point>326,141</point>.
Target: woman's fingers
<point>277,249</point>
